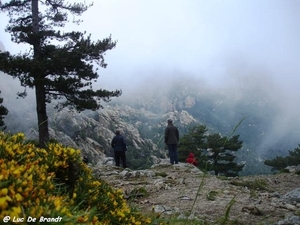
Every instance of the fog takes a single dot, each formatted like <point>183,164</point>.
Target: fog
<point>248,47</point>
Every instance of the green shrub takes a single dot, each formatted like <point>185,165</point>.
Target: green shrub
<point>55,182</point>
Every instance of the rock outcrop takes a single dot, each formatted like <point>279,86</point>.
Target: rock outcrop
<point>183,191</point>
<point>92,132</point>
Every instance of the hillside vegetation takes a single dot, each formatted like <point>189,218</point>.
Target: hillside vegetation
<point>55,183</point>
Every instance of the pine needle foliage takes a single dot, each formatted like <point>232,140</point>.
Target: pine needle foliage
<point>213,152</point>
<point>59,65</point>
<point>280,162</point>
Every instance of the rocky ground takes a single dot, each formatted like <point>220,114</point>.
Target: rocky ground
<point>183,191</point>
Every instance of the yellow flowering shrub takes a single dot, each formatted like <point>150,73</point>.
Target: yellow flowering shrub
<point>55,183</point>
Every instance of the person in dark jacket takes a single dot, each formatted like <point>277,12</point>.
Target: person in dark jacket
<point>191,159</point>
<point>171,140</point>
<point>119,145</point>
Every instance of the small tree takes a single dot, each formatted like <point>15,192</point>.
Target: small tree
<point>221,154</point>
<point>213,152</point>
<point>59,65</point>
<point>3,112</point>
<point>279,163</point>
<point>294,158</point>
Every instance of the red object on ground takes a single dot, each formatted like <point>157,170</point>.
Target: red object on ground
<point>191,159</point>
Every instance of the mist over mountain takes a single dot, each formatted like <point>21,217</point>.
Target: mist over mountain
<point>269,127</point>
<point>271,116</point>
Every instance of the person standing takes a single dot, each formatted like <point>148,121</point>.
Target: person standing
<point>171,140</point>
<point>119,145</point>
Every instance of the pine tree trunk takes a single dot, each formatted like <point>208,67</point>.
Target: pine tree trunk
<point>42,115</point>
<point>215,165</point>
<point>38,78</point>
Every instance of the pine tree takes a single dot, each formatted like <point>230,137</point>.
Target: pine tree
<point>294,158</point>
<point>213,151</point>
<point>280,162</point>
<point>3,112</point>
<point>277,163</point>
<point>221,154</point>
<point>59,65</point>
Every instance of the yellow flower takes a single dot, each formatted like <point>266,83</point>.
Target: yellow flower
<point>3,203</point>
<point>57,203</point>
<point>18,197</point>
<point>17,171</point>
<point>4,191</point>
<point>19,190</point>
<point>24,183</point>
<point>64,210</point>
<point>72,151</point>
<point>30,177</point>
<point>121,214</point>
<point>16,211</point>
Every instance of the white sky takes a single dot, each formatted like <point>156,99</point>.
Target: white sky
<point>203,38</point>
<point>211,39</point>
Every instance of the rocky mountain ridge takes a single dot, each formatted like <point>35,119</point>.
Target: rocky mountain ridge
<point>92,131</point>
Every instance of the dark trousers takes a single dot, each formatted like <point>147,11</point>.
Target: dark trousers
<point>120,155</point>
<point>173,154</point>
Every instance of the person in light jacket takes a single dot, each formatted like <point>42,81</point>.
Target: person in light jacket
<point>171,140</point>
<point>119,145</point>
